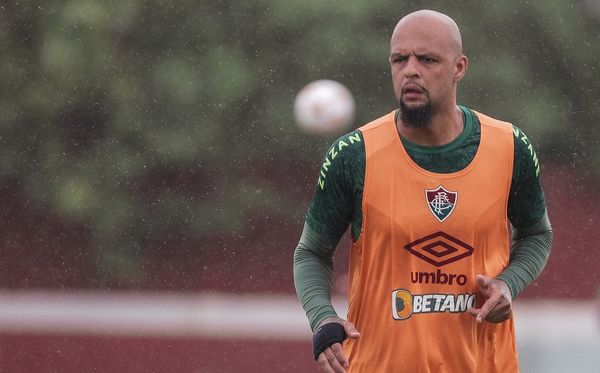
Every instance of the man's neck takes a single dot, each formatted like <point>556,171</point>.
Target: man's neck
<point>443,128</point>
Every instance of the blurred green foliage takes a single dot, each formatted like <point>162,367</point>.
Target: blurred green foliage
<point>143,118</point>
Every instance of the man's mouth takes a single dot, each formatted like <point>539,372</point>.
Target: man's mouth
<point>412,89</point>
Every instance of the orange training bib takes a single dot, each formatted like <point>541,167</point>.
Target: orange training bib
<point>424,238</point>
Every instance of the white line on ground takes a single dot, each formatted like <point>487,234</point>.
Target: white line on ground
<point>227,316</point>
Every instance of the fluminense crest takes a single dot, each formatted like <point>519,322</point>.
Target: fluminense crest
<point>441,202</point>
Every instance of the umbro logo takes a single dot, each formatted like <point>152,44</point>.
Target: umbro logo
<point>440,249</point>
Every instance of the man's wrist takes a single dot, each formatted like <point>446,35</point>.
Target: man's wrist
<point>324,319</point>
<point>505,282</point>
<point>329,320</point>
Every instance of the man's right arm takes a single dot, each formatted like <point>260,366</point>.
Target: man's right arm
<point>331,210</point>
<point>313,275</point>
<point>337,192</point>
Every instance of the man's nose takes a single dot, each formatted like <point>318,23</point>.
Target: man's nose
<point>411,69</point>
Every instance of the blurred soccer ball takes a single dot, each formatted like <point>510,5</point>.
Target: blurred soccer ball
<point>324,107</point>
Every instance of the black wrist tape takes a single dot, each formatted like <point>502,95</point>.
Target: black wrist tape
<point>327,335</point>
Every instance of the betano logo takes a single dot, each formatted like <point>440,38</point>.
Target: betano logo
<point>405,304</point>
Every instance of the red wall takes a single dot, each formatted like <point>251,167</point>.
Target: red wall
<point>65,354</point>
<point>39,251</point>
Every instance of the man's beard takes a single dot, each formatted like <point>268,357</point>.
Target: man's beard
<point>417,117</point>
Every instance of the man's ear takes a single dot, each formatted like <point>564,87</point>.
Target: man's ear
<point>460,68</point>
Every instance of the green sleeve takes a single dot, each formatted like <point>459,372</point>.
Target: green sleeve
<point>529,253</point>
<point>335,203</point>
<point>337,197</point>
<point>532,233</point>
<point>313,274</point>
<point>526,202</point>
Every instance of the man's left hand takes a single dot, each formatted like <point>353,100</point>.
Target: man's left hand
<point>498,300</point>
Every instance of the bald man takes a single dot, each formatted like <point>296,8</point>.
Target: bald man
<point>429,190</point>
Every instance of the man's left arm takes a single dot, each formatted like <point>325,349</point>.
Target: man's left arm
<point>529,253</point>
<point>532,236</point>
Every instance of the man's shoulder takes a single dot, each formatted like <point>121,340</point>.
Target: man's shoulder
<point>508,126</point>
<point>342,155</point>
<point>347,144</point>
<point>381,121</point>
<point>524,152</point>
<point>486,120</point>
<point>525,155</point>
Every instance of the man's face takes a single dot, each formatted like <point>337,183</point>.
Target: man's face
<point>423,65</point>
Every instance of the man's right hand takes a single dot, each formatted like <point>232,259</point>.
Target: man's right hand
<point>333,359</point>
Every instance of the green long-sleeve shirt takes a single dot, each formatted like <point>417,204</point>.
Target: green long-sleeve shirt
<point>337,203</point>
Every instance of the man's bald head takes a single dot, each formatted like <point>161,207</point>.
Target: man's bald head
<point>435,22</point>
<point>426,62</point>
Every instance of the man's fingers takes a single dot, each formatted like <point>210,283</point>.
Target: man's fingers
<point>473,311</point>
<point>495,309</point>
<point>485,310</point>
<point>481,313</point>
<point>328,338</point>
<point>338,351</point>
<point>497,306</point>
<point>332,361</point>
<point>324,364</point>
<point>483,282</point>
<point>351,331</point>
<point>494,313</point>
<point>498,316</point>
<point>500,313</point>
